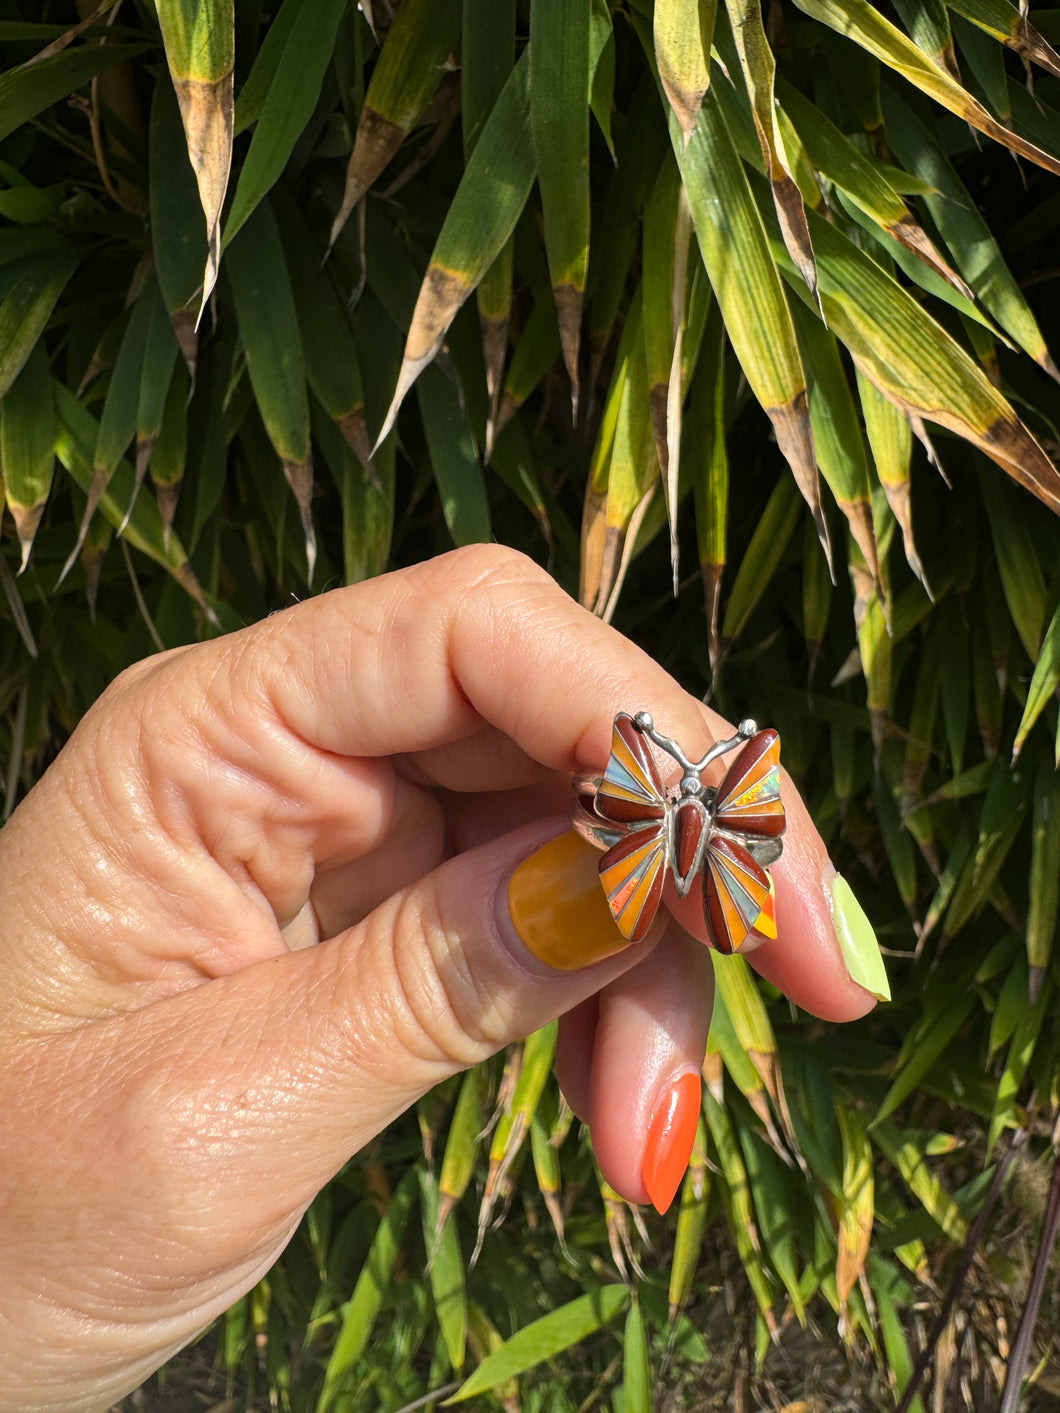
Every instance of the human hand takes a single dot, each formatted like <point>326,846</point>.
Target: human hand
<point>259,905</point>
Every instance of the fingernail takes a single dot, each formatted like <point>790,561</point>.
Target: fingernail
<point>558,908</point>
<point>671,1134</point>
<point>857,940</point>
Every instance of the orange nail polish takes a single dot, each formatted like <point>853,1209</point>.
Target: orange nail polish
<point>671,1133</point>
<point>558,907</point>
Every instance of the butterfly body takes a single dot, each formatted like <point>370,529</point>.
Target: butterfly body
<point>695,834</point>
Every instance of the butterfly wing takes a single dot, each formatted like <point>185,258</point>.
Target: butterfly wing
<point>748,799</point>
<point>737,891</point>
<point>631,791</point>
<point>632,873</point>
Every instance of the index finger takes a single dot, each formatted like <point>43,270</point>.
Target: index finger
<point>482,638</point>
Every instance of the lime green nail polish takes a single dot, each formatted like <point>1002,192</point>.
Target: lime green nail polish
<point>857,940</point>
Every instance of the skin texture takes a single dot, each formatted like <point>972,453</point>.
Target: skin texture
<point>258,907</point>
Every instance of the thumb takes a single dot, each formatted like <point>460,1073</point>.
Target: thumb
<point>296,1062</point>
<point>229,1105</point>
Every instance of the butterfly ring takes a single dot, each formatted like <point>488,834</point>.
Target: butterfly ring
<point>719,840</point>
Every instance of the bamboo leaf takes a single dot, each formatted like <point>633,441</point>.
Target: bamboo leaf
<point>602,71</point>
<point>891,440</point>
<point>598,561</point>
<point>156,377</point>
<point>1044,884</point>
<point>965,232</point>
<point>913,361</point>
<point>178,236</point>
<point>361,1310</point>
<point>928,24</point>
<point>1017,561</point>
<point>759,72</point>
<point>736,254</point>
<point>636,1363</point>
<point>75,444</point>
<point>632,472</point>
<point>665,276</point>
<point>549,1177</point>
<point>268,328</point>
<point>710,477</point>
<point>27,446</point>
<point>199,36</point>
<point>455,460</point>
<point>403,82</point>
<point>28,89</point>
<point>559,111</point>
<point>333,368</point>
<point>772,534</point>
<point>255,88</point>
<point>1043,685</point>
<point>837,435</point>
<point>482,216</point>
<point>288,104</point>
<point>545,1338</point>
<point>117,423</point>
<point>867,27</point>
<point>837,158</point>
<point>921,1181</point>
<point>737,1197</point>
<point>683,30</point>
<point>771,1185</point>
<point>445,1269</point>
<point>27,307</point>
<point>691,1224</point>
<point>465,1136</point>
<point>487,59</point>
<point>856,1204</point>
<point>170,450</point>
<point>535,353</point>
<point>986,63</point>
<point>1012,27</point>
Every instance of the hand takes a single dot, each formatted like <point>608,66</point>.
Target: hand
<point>259,905</point>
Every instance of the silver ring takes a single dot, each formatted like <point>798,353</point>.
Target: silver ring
<point>718,839</point>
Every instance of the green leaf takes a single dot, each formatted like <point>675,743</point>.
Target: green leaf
<point>455,460</point>
<point>360,1312</point>
<point>405,76</point>
<point>178,234</point>
<point>75,444</point>
<point>636,1364</point>
<point>481,218</point>
<point>743,273</point>
<point>199,36</point>
<point>967,235</point>
<point>27,445</point>
<point>27,307</point>
<point>545,1338</point>
<point>559,108</point>
<point>268,328</point>
<point>29,89</point>
<point>859,21</point>
<point>288,104</point>
<point>445,1268</point>
<point>1044,683</point>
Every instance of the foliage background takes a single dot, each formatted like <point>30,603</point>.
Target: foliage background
<point>899,708</point>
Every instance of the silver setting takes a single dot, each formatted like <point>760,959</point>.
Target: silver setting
<point>603,834</point>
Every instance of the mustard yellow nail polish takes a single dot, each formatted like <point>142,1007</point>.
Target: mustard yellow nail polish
<point>558,908</point>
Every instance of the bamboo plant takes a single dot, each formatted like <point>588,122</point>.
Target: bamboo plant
<point>739,318</point>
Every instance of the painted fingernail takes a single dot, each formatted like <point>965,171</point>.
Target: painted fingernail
<point>558,908</point>
<point>857,940</point>
<point>671,1134</point>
